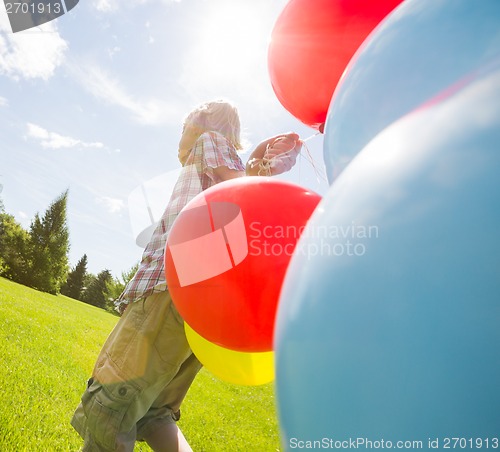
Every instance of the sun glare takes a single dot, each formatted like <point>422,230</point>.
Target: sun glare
<point>233,40</point>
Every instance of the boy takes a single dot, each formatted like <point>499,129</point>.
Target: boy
<point>146,366</point>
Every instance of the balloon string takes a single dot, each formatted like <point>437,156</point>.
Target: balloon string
<point>309,158</point>
<point>312,136</point>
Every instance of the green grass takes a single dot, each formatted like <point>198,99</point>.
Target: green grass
<point>48,345</point>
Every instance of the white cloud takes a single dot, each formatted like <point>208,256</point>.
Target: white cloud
<point>113,51</point>
<point>3,102</point>
<point>112,205</point>
<point>107,88</point>
<point>35,131</point>
<point>30,54</point>
<point>106,6</point>
<point>53,140</point>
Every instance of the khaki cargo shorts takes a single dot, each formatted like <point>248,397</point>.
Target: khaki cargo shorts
<point>140,379</point>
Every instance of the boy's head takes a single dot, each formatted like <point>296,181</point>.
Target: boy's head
<point>218,116</point>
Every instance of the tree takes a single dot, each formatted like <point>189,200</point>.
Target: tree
<point>73,287</point>
<point>49,246</point>
<point>2,208</point>
<point>117,285</point>
<point>14,246</point>
<point>97,291</point>
<point>2,262</point>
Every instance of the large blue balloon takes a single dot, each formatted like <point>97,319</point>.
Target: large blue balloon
<point>419,50</point>
<point>388,327</point>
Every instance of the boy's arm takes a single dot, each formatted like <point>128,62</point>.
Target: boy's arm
<point>282,143</point>
<point>190,134</point>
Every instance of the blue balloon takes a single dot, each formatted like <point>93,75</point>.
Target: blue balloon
<point>388,327</point>
<point>420,49</point>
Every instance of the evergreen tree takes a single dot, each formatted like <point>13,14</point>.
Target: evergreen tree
<point>2,262</point>
<point>2,208</point>
<point>14,245</point>
<point>97,291</point>
<point>49,246</point>
<point>73,287</point>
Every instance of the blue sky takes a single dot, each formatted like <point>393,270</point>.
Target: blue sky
<point>94,100</point>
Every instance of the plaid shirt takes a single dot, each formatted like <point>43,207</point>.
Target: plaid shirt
<point>210,151</point>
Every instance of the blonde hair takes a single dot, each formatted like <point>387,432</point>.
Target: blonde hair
<point>218,116</point>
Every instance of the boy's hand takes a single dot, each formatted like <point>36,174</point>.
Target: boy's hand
<point>281,153</point>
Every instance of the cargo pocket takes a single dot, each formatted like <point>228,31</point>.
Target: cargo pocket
<point>105,406</point>
<point>171,343</point>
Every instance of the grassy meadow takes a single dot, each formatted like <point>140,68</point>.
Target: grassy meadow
<point>48,345</point>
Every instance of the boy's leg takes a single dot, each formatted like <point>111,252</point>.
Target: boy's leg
<point>168,438</point>
<point>141,357</point>
<point>158,426</point>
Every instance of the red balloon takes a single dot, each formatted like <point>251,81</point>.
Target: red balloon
<point>227,254</point>
<point>311,45</point>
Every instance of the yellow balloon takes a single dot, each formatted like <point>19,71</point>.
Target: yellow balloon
<point>242,368</point>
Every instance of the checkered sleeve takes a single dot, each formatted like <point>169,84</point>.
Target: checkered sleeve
<point>217,151</point>
<point>211,150</point>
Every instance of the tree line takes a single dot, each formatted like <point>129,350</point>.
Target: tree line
<point>37,257</point>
